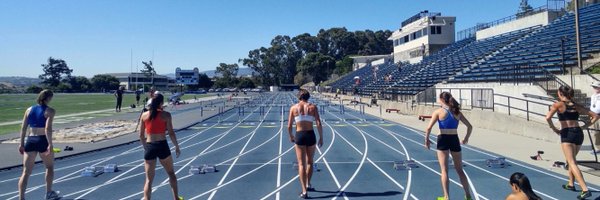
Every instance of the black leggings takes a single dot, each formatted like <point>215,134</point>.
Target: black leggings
<point>119,100</point>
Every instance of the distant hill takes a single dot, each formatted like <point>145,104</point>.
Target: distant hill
<point>241,72</point>
<point>19,81</point>
<point>211,73</point>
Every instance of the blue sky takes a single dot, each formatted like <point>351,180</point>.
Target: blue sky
<point>98,36</point>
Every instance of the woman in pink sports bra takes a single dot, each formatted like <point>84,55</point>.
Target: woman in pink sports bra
<point>304,114</point>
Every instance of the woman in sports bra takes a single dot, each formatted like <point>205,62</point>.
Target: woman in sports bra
<point>39,142</point>
<point>448,142</point>
<point>155,124</point>
<point>304,114</point>
<point>571,134</point>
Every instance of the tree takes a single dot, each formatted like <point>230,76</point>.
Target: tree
<point>228,74</point>
<point>148,71</point>
<point>343,66</point>
<point>80,84</point>
<point>34,89</point>
<point>227,71</point>
<point>245,82</point>
<point>103,82</point>
<point>54,71</point>
<point>582,3</point>
<point>204,81</point>
<point>317,66</point>
<point>278,63</point>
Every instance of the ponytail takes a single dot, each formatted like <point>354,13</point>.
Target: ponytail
<point>157,102</point>
<point>450,102</point>
<point>522,182</point>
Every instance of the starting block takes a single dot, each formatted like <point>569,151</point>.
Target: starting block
<point>538,156</point>
<point>499,162</point>
<point>560,164</point>
<point>92,171</point>
<point>405,164</point>
<point>110,168</point>
<point>390,110</point>
<point>423,117</point>
<point>203,169</point>
<point>315,167</point>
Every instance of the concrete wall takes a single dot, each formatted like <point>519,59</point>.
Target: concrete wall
<point>542,18</point>
<point>582,82</point>
<point>486,119</point>
<point>512,90</point>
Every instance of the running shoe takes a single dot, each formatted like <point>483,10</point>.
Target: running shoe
<point>310,188</point>
<point>180,198</point>
<point>52,195</point>
<point>441,198</point>
<point>584,195</point>
<point>568,187</point>
<point>304,195</point>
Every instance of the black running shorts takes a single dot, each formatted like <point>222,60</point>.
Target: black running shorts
<point>448,142</point>
<point>305,138</point>
<point>159,149</point>
<point>37,143</point>
<point>573,135</point>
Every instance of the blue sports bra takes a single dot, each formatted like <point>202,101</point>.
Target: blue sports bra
<point>450,122</point>
<point>303,117</point>
<point>36,118</point>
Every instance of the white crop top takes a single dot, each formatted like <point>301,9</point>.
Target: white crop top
<point>303,117</point>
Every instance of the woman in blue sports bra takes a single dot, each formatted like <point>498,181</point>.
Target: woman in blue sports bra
<point>39,142</point>
<point>571,134</point>
<point>304,114</point>
<point>448,142</point>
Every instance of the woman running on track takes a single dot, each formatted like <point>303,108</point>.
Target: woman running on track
<point>448,142</point>
<point>155,124</point>
<point>304,114</point>
<point>39,141</point>
<point>521,188</point>
<point>571,134</point>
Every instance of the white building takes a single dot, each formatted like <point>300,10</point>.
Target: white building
<point>131,81</point>
<point>422,34</point>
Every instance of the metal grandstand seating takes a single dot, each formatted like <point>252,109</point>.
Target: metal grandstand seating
<point>542,48</point>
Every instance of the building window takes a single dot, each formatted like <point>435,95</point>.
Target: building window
<point>406,39</point>
<point>424,31</point>
<point>436,30</point>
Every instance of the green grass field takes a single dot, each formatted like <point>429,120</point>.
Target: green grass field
<point>13,106</point>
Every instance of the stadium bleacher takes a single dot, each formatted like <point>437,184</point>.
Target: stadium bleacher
<point>528,52</point>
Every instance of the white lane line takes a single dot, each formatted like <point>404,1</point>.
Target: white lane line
<point>410,172</point>
<point>295,177</point>
<point>192,160</point>
<point>279,152</point>
<point>337,182</point>
<point>58,180</point>
<point>360,165</point>
<point>477,167</point>
<point>235,161</point>
<point>92,189</point>
<point>407,191</point>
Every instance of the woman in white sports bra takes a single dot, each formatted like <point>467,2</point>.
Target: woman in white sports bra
<point>304,114</point>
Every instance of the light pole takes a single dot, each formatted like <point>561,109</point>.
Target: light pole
<point>562,48</point>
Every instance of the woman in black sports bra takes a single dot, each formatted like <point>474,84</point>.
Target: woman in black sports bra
<point>571,134</point>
